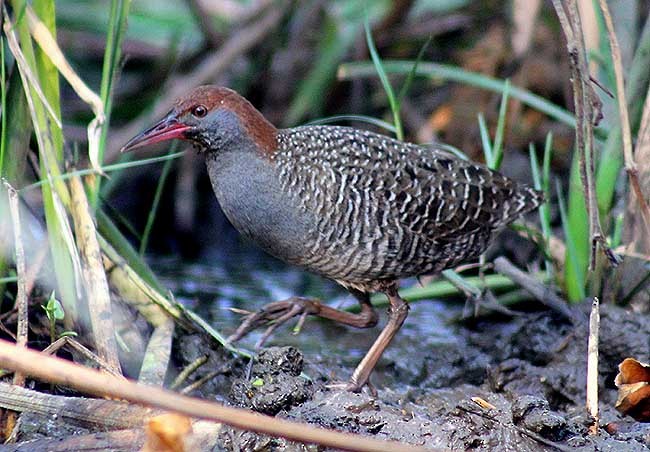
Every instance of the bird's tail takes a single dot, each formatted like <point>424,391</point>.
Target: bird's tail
<point>524,200</point>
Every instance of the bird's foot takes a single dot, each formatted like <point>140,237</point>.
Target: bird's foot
<point>275,314</point>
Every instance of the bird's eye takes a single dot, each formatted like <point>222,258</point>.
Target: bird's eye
<point>199,111</point>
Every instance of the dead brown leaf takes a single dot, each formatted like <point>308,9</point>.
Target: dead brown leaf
<point>633,383</point>
<point>167,433</point>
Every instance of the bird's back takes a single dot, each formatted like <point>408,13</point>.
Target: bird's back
<point>386,209</point>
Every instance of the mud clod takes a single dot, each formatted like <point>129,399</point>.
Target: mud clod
<point>534,414</point>
<point>275,383</point>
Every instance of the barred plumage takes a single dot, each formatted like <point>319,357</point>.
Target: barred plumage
<point>388,209</point>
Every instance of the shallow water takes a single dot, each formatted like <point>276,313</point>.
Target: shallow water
<point>248,281</point>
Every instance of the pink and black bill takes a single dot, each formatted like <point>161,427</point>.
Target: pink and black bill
<point>168,128</point>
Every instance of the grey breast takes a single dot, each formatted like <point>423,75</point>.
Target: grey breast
<point>248,190</point>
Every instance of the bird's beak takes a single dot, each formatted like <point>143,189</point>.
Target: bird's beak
<point>167,128</point>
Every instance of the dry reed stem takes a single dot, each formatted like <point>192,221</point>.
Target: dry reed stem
<point>592,365</point>
<point>630,164</point>
<point>587,110</point>
<point>94,277</point>
<point>21,298</point>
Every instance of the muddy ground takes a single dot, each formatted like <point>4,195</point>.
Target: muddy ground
<point>531,368</point>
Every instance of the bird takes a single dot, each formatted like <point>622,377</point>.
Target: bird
<point>354,206</point>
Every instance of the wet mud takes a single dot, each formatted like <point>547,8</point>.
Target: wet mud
<point>506,384</point>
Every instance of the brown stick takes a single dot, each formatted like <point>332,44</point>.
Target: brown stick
<point>82,350</point>
<point>58,371</point>
<point>21,294</point>
<point>156,356</point>
<point>117,440</point>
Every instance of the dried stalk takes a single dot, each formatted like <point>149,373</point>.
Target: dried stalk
<point>156,357</point>
<point>536,288</point>
<point>592,365</point>
<point>630,164</point>
<point>21,297</point>
<point>80,411</point>
<point>94,277</point>
<point>587,109</point>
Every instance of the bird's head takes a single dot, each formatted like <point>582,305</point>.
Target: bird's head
<point>213,118</point>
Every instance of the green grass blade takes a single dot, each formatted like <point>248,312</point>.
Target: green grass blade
<point>361,118</point>
<point>497,149</point>
<point>17,131</point>
<point>485,138</point>
<point>114,37</point>
<point>444,288</point>
<point>8,279</point>
<point>442,72</point>
<point>618,231</point>
<point>392,100</point>
<point>156,201</point>
<point>546,168</point>
<point>106,169</point>
<point>50,145</point>
<point>611,157</point>
<point>411,76</point>
<point>48,74</point>
<point>574,275</point>
<point>3,101</point>
<point>544,214</point>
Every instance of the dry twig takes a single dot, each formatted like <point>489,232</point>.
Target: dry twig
<point>76,346</point>
<point>188,370</point>
<point>534,287</point>
<point>79,411</point>
<point>157,354</point>
<point>587,109</point>
<point>131,439</point>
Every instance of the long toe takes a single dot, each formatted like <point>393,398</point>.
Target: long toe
<point>274,315</point>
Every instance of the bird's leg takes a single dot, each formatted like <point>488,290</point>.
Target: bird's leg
<point>396,315</point>
<point>280,312</point>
